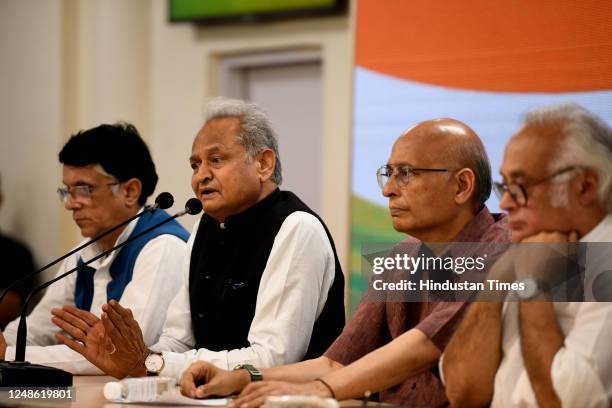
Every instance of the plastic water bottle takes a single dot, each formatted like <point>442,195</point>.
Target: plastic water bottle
<point>138,389</point>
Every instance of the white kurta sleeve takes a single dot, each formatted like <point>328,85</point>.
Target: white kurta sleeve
<point>292,292</point>
<point>177,335</point>
<point>581,372</point>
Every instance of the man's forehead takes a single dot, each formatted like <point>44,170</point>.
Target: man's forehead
<point>400,162</point>
<point>217,134</point>
<point>401,152</point>
<point>417,150</point>
<point>83,174</point>
<point>211,148</point>
<point>529,152</point>
<point>220,126</point>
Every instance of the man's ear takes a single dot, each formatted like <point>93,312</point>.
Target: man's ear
<point>586,185</point>
<point>466,185</point>
<point>266,161</point>
<point>131,190</point>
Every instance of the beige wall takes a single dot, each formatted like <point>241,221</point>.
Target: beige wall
<point>184,72</point>
<point>30,122</point>
<point>93,61</point>
<point>105,70</point>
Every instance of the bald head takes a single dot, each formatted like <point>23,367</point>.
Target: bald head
<point>449,181</point>
<point>450,141</point>
<point>442,127</point>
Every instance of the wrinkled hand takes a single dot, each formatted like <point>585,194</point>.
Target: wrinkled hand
<point>255,394</point>
<point>202,379</point>
<point>503,268</point>
<point>98,341</point>
<point>553,237</point>
<point>533,253</point>
<point>125,334</point>
<point>87,336</point>
<point>2,346</point>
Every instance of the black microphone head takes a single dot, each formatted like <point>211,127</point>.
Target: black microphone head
<point>193,206</point>
<point>164,200</point>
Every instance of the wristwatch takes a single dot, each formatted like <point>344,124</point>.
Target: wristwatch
<point>154,363</point>
<point>253,372</point>
<point>532,288</point>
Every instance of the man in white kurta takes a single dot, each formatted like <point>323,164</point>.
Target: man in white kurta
<point>263,286</point>
<point>533,351</point>
<point>108,174</point>
<point>155,280</point>
<point>292,293</point>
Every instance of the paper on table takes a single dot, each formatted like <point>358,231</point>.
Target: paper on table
<point>175,397</point>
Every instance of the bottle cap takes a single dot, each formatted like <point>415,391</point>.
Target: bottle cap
<point>113,390</point>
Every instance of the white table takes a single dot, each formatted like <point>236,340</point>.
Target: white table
<point>88,393</point>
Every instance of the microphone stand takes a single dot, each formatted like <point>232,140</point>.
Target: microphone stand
<point>160,201</point>
<point>27,374</point>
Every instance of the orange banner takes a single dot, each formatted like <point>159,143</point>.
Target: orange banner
<point>513,46</point>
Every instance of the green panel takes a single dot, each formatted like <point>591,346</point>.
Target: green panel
<point>194,9</point>
<point>370,223</point>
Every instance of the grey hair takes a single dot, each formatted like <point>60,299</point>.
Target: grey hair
<point>472,154</point>
<point>588,142</point>
<point>256,132</point>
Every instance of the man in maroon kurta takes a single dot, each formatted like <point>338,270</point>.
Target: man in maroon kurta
<point>437,180</point>
<point>376,323</point>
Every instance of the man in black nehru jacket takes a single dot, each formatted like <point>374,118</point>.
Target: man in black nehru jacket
<point>264,282</point>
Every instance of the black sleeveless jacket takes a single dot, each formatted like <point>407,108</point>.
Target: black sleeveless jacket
<point>227,261</point>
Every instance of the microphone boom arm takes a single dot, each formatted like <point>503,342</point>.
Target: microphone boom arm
<point>61,258</point>
<point>22,331</point>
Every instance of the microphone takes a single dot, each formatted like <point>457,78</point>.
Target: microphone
<point>162,201</point>
<point>193,206</point>
<point>22,373</point>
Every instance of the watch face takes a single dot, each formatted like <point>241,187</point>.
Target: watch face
<point>531,288</point>
<point>253,372</point>
<point>154,363</point>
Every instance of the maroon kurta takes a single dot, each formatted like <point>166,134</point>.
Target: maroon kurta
<point>376,323</point>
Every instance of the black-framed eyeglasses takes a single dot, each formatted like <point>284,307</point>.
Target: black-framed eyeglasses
<point>82,192</point>
<point>518,191</point>
<point>402,173</point>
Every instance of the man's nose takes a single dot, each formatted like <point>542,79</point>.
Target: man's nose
<point>70,203</point>
<point>204,174</point>
<point>390,187</point>
<point>507,203</point>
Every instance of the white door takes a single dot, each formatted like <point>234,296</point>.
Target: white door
<point>288,87</point>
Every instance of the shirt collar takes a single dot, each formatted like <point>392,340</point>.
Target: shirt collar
<point>471,232</point>
<point>95,249</point>
<point>601,233</point>
<point>477,226</point>
<point>251,213</point>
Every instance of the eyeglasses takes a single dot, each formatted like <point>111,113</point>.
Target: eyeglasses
<point>82,192</point>
<point>402,174</point>
<point>518,191</point>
